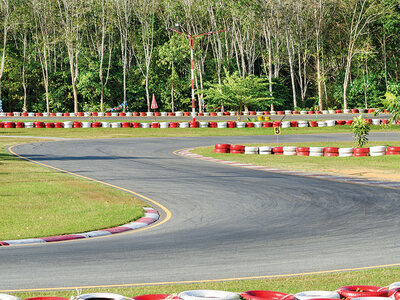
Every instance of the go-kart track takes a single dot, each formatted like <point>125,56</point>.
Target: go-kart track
<point>223,221</point>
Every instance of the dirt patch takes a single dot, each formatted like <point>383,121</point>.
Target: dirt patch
<point>369,174</point>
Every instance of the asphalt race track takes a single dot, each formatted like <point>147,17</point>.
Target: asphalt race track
<point>227,222</point>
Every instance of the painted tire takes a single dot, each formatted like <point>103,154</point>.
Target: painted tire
<point>317,149</point>
<point>153,297</point>
<point>361,150</point>
<point>47,298</point>
<point>221,150</point>
<point>345,154</point>
<point>331,150</point>
<point>330,154</point>
<point>356,291</point>
<point>392,152</point>
<point>303,149</point>
<point>345,150</point>
<point>207,295</point>
<point>236,151</point>
<point>102,296</point>
<point>317,294</point>
<point>8,297</point>
<point>360,154</point>
<point>222,146</point>
<point>265,153</point>
<point>377,153</point>
<point>251,149</point>
<point>394,284</point>
<point>266,295</point>
<point>265,149</point>
<point>289,148</point>
<point>289,153</point>
<point>237,147</point>
<point>277,150</point>
<point>394,293</point>
<point>303,153</point>
<point>396,149</point>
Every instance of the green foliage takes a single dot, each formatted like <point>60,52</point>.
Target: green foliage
<point>391,102</point>
<point>361,130</point>
<point>236,93</point>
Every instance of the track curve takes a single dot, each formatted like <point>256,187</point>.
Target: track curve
<point>226,222</point>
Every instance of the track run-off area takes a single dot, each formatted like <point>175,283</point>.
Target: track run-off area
<point>222,222</point>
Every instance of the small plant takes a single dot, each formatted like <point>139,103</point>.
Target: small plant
<point>360,128</point>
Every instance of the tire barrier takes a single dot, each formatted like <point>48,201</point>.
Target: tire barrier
<point>229,124</point>
<point>317,294</point>
<point>309,151</point>
<point>357,291</point>
<point>354,292</point>
<point>207,295</point>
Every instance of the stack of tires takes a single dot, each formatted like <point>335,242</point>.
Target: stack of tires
<point>145,125</point>
<point>164,124</point>
<point>183,125</point>
<point>105,124</point>
<point>277,150</point>
<point>285,124</point>
<point>330,123</point>
<point>360,291</point>
<point>237,149</point>
<point>302,123</point>
<point>289,150</point>
<point>250,150</point>
<point>377,151</point>
<point>316,151</point>
<point>240,124</point>
<point>331,151</point>
<point>376,122</point>
<point>358,152</point>
<point>222,148</point>
<point>265,150</point>
<point>222,125</point>
<point>118,125</point>
<point>266,295</point>
<point>321,124</point>
<point>393,151</point>
<point>203,124</point>
<point>303,151</point>
<point>345,152</point>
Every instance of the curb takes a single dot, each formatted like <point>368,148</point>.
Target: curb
<point>386,184</point>
<point>151,215</point>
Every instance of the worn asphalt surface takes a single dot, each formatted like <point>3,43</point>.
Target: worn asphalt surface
<point>227,222</point>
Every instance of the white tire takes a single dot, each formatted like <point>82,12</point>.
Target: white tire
<point>240,124</point>
<point>222,124</point>
<point>220,114</point>
<point>258,124</point>
<point>303,112</point>
<point>149,114</point>
<point>164,114</point>
<point>285,123</point>
<point>179,114</point>
<point>302,125</point>
<point>164,124</point>
<point>3,114</point>
<point>59,114</point>
<point>103,124</point>
<point>321,124</point>
<point>377,153</point>
<point>232,113</point>
<point>317,294</point>
<point>251,149</point>
<point>331,111</point>
<point>265,153</point>
<point>316,154</point>
<point>250,152</point>
<point>377,149</point>
<point>145,125</point>
<point>114,114</point>
<point>285,126</point>
<point>394,285</point>
<point>102,296</point>
<point>325,112</point>
<point>208,295</point>
<point>184,125</point>
<point>72,114</point>
<point>345,154</point>
<point>272,112</point>
<point>265,148</point>
<point>345,150</point>
<point>28,124</point>
<point>288,112</point>
<point>86,124</point>
<point>330,123</point>
<point>86,114</point>
<point>206,114</point>
<point>8,297</point>
<point>291,153</point>
<point>317,149</point>
<point>100,114</point>
<point>346,111</point>
<point>115,125</point>
<point>259,113</point>
<point>376,122</point>
<point>289,148</point>
<point>203,124</point>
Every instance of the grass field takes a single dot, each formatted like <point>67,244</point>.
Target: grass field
<point>36,201</point>
<point>288,284</point>
<point>381,167</point>
<point>93,133</point>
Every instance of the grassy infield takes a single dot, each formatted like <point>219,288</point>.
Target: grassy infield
<point>47,189</point>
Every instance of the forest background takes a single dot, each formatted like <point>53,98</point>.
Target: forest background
<point>73,55</point>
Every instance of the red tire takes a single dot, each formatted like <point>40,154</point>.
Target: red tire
<point>311,112</point>
<point>341,122</point>
<point>293,124</point>
<point>1,125</point>
<point>359,154</point>
<point>38,124</point>
<point>266,295</point>
<point>213,124</point>
<point>313,124</point>
<point>221,150</point>
<point>330,154</point>
<point>303,149</point>
<point>356,291</point>
<point>267,124</point>
<point>250,124</point>
<point>77,125</point>
<point>231,124</point>
<point>303,153</point>
<point>237,151</point>
<point>153,297</point>
<point>331,150</point>
<point>237,147</point>
<point>354,111</point>
<point>213,114</point>
<point>194,124</point>
<point>252,113</point>
<point>394,291</point>
<point>59,125</point>
<point>49,125</point>
<point>361,150</point>
<point>277,150</point>
<point>396,149</point>
<point>222,146</point>
<point>276,124</point>
<point>126,125</point>
<point>155,125</point>
<point>392,152</point>
<point>280,112</point>
<point>19,125</point>
<point>349,122</point>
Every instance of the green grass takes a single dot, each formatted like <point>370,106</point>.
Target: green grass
<point>290,284</point>
<point>380,167</point>
<point>36,201</point>
<point>93,133</point>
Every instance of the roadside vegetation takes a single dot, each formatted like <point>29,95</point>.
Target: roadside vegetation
<point>378,167</point>
<point>36,201</point>
<point>285,284</point>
